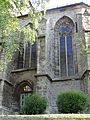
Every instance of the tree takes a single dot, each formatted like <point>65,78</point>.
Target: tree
<point>10,28</point>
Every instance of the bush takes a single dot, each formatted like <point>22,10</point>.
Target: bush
<point>34,104</point>
<point>71,102</point>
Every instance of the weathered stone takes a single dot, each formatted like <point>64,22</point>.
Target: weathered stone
<point>46,77</point>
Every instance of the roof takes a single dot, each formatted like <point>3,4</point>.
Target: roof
<point>61,8</point>
<point>71,5</point>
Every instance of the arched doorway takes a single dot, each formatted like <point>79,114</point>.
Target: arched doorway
<point>23,89</point>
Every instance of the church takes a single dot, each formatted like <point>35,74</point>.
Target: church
<point>52,64</point>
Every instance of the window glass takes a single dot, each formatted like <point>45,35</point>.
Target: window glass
<point>66,51</point>
<point>27,55</point>
<point>33,55</point>
<point>62,56</point>
<point>70,56</point>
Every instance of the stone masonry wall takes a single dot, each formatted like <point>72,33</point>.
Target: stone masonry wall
<point>23,74</point>
<point>48,55</point>
<point>61,86</point>
<point>85,86</point>
<point>51,90</point>
<point>80,39</point>
<point>43,87</point>
<point>7,96</point>
<point>47,83</point>
<point>52,54</point>
<point>18,77</point>
<point>41,58</point>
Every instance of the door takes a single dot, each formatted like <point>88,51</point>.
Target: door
<point>22,99</point>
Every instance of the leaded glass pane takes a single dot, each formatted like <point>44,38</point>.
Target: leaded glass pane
<point>70,56</point>
<point>33,55</point>
<point>62,56</point>
<point>66,52</point>
<point>27,55</point>
<point>20,56</point>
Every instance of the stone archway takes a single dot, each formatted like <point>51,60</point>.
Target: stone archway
<point>23,89</point>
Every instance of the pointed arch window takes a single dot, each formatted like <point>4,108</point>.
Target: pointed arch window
<point>66,51</point>
<point>27,57</point>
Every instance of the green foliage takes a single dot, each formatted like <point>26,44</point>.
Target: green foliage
<point>72,101</point>
<point>10,29</point>
<point>34,104</point>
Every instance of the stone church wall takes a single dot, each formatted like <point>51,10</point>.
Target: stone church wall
<point>52,54</point>
<point>23,74</point>
<point>7,97</point>
<point>80,61</point>
<point>46,78</point>
<point>61,86</point>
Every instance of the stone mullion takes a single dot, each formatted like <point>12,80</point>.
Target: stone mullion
<point>24,55</point>
<point>66,56</point>
<point>30,56</point>
<point>38,53</point>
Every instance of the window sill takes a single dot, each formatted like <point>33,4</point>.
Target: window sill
<point>67,78</point>
<point>24,69</point>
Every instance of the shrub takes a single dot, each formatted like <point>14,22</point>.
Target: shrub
<point>72,101</point>
<point>34,104</point>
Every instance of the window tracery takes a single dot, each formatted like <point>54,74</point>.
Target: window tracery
<point>66,51</point>
<point>63,54</point>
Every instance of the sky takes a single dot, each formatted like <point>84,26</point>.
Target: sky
<point>58,3</point>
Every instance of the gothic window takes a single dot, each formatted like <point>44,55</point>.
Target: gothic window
<point>27,56</point>
<point>66,51</point>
